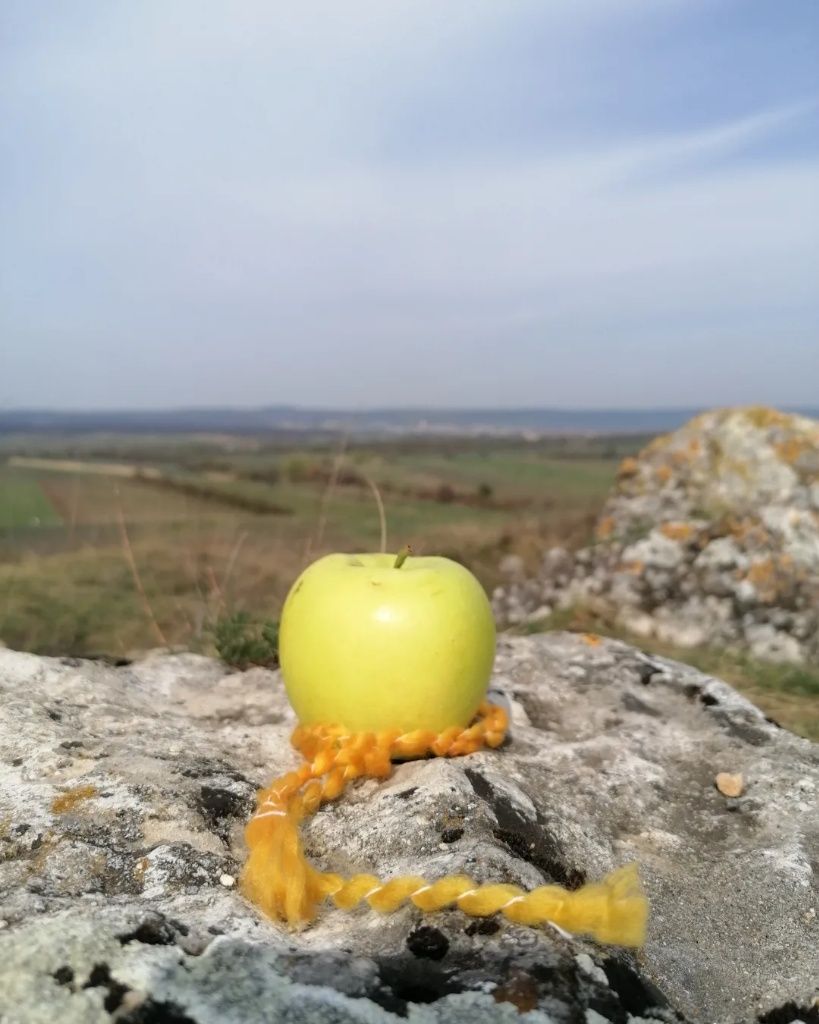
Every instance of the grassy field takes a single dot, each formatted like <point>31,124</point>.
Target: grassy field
<point>122,544</point>
<point>522,475</point>
<point>108,546</point>
<point>23,503</point>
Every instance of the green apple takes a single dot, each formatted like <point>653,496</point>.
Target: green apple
<point>376,642</point>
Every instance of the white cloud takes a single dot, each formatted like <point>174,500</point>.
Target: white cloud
<point>202,191</point>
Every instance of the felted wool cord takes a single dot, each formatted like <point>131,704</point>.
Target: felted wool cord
<point>278,878</point>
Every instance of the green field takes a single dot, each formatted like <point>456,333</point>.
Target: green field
<point>524,474</point>
<point>112,544</point>
<point>23,503</point>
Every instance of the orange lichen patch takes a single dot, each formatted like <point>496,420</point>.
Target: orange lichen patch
<point>663,473</point>
<point>792,449</point>
<point>628,467</point>
<point>747,531</point>
<point>592,639</point>
<point>762,573</point>
<point>68,800</point>
<point>635,567</point>
<point>677,531</point>
<point>765,577</point>
<point>694,447</point>
<point>736,527</point>
<point>680,456</point>
<point>605,528</point>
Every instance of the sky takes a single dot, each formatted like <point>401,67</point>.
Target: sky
<point>469,203</point>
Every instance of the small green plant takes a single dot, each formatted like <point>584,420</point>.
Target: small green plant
<point>242,641</point>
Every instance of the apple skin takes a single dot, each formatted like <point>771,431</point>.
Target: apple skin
<point>371,647</point>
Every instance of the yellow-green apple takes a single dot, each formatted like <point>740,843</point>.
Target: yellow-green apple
<point>376,642</point>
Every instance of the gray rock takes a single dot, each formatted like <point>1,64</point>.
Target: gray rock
<point>722,553</point>
<point>655,551</point>
<point>722,508</point>
<point>558,561</point>
<point>637,623</point>
<point>745,593</point>
<point>539,614</point>
<point>771,644</point>
<point>512,566</point>
<point>623,588</point>
<point>124,793</point>
<point>670,630</point>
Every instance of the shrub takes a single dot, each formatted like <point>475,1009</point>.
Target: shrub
<point>242,641</point>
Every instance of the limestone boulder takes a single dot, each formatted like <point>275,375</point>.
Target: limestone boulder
<point>724,509</point>
<point>124,792</point>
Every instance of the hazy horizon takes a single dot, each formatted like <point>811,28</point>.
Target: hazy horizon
<point>395,408</point>
<point>599,206</point>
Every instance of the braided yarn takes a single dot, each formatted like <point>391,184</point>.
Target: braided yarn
<point>279,880</point>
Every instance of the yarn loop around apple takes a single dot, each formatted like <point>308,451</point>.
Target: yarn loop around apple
<point>277,876</point>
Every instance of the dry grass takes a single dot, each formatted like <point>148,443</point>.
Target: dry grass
<point>168,584</point>
<point>132,565</point>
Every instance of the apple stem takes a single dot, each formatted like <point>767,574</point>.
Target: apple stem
<point>402,556</point>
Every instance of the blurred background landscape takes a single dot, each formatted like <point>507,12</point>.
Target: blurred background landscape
<point>224,522</point>
<point>277,282</point>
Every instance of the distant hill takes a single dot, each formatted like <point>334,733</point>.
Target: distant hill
<point>371,422</point>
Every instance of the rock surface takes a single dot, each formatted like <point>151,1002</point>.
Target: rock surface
<point>710,537</point>
<point>124,792</point>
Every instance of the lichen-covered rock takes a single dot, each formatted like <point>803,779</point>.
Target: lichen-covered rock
<point>124,792</point>
<point>711,536</point>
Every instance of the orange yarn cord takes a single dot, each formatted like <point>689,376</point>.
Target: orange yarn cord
<point>279,880</point>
